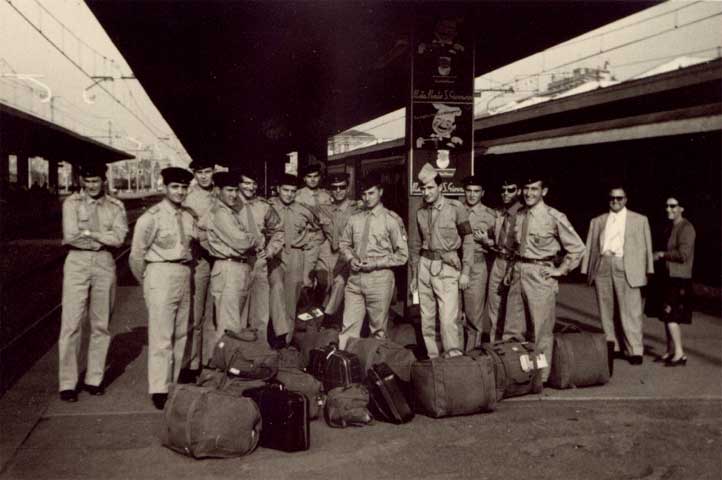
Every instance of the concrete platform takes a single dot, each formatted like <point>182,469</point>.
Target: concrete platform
<point>649,422</point>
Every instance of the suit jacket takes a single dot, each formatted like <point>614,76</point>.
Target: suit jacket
<point>638,256</point>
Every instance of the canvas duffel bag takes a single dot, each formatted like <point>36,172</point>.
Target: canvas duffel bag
<point>373,351</point>
<point>580,359</point>
<point>348,407</point>
<point>204,422</point>
<point>219,380</point>
<point>517,367</point>
<point>245,354</point>
<point>447,386</point>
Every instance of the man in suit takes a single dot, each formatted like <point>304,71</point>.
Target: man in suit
<point>617,260</point>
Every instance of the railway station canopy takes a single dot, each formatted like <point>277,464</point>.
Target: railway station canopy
<point>236,79</point>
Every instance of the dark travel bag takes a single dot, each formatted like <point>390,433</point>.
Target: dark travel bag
<point>387,401</point>
<point>335,368</point>
<point>284,417</point>
<point>372,351</point>
<point>314,338</point>
<point>447,386</point>
<point>580,359</point>
<point>245,354</point>
<point>297,381</point>
<point>204,422</point>
<point>348,407</point>
<point>517,367</point>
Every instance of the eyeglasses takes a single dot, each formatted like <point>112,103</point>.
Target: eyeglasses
<point>672,205</point>
<point>339,187</point>
<point>614,198</point>
<point>508,189</point>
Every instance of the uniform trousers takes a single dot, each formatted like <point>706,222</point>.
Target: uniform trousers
<point>475,301</point>
<point>503,302</point>
<point>255,313</point>
<point>167,292</point>
<point>88,292</point>
<point>609,282</point>
<point>312,253</point>
<point>539,297</point>
<point>438,285</point>
<point>230,284</point>
<point>294,271</point>
<point>367,293</point>
<point>340,274</point>
<point>282,323</point>
<point>199,340</point>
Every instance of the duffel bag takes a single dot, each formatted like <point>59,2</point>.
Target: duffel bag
<point>580,359</point>
<point>245,355</point>
<point>204,422</point>
<point>447,386</point>
<point>289,357</point>
<point>301,382</point>
<point>517,367</point>
<point>348,407</point>
<point>218,380</point>
<point>373,351</point>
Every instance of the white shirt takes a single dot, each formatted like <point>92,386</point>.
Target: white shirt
<point>613,238</point>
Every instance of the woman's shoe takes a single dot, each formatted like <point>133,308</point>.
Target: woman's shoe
<point>662,358</point>
<point>680,362</point>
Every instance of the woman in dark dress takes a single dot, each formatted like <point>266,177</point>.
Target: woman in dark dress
<point>679,258</point>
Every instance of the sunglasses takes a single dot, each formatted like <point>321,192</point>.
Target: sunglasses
<point>339,187</point>
<point>672,205</point>
<point>613,198</point>
<point>508,189</point>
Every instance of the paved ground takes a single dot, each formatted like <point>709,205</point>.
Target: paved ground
<point>649,422</point>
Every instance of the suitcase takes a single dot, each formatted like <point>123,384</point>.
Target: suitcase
<point>297,381</point>
<point>386,398</point>
<point>580,359</point>
<point>372,351</point>
<point>245,355</point>
<point>335,368</point>
<point>203,422</point>
<point>517,367</point>
<point>447,386</point>
<point>284,416</point>
<point>314,339</point>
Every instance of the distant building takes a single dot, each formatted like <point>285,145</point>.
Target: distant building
<point>350,140</point>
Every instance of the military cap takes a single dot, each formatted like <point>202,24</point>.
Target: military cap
<point>427,173</point>
<point>225,179</point>
<point>337,178</point>
<point>310,168</point>
<point>251,173</point>
<point>509,179</point>
<point>371,180</point>
<point>287,179</point>
<point>535,175</point>
<point>473,180</point>
<point>93,170</point>
<point>176,175</point>
<point>202,163</point>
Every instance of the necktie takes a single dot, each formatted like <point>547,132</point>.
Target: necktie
<point>94,221</point>
<point>285,211</point>
<point>524,233</point>
<point>504,231</point>
<point>431,227</point>
<point>181,232</point>
<point>365,237</point>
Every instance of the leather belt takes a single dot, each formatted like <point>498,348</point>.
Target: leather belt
<point>233,259</point>
<point>75,249</point>
<point>535,261</point>
<point>431,254</point>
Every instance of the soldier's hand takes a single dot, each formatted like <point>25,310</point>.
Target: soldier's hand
<point>368,265</point>
<point>551,272</point>
<point>464,281</point>
<point>261,254</point>
<point>481,236</point>
<point>355,264</point>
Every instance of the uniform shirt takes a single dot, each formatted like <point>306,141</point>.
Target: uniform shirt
<point>444,228</point>
<point>298,222</point>
<point>504,235</point>
<point>483,218</point>
<point>548,231</point>
<point>314,199</point>
<point>104,216</point>
<point>339,214</point>
<point>200,201</point>
<point>267,221</point>
<point>613,238</point>
<point>386,242</point>
<point>228,237</point>
<point>162,234</point>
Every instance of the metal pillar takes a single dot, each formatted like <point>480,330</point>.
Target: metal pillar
<point>52,175</point>
<point>23,170</point>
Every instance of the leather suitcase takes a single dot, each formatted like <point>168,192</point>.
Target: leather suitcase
<point>314,339</point>
<point>517,367</point>
<point>284,417</point>
<point>447,386</point>
<point>335,368</point>
<point>387,401</point>
<point>580,359</point>
<point>203,422</point>
<point>297,381</point>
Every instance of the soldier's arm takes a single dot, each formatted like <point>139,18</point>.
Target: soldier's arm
<point>399,243</point>
<point>588,248</point>
<point>71,233</point>
<point>345,244</point>
<point>143,237</point>
<point>415,248</point>
<point>467,237</point>
<point>572,244</point>
<point>116,235</point>
<point>274,232</point>
<point>228,230</point>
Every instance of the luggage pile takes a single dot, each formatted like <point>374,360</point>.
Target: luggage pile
<point>252,395</point>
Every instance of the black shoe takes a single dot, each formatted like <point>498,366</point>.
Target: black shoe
<point>69,396</point>
<point>635,359</point>
<point>159,400</point>
<point>662,358</point>
<point>95,390</point>
<point>619,354</point>
<point>187,375</point>
<point>680,362</point>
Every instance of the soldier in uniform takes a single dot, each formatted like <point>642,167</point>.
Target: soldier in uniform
<point>541,232</point>
<point>93,222</point>
<point>299,223</point>
<point>339,213</point>
<point>318,250</point>
<point>481,219</point>
<point>232,246</point>
<point>161,260</point>
<point>500,301</point>
<point>263,222</point>
<point>373,242</point>
<point>436,271</point>
<point>199,201</point>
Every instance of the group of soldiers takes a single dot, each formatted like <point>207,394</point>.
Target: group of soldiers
<point>214,256</point>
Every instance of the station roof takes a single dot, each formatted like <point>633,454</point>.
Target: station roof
<point>23,133</point>
<point>235,79</point>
